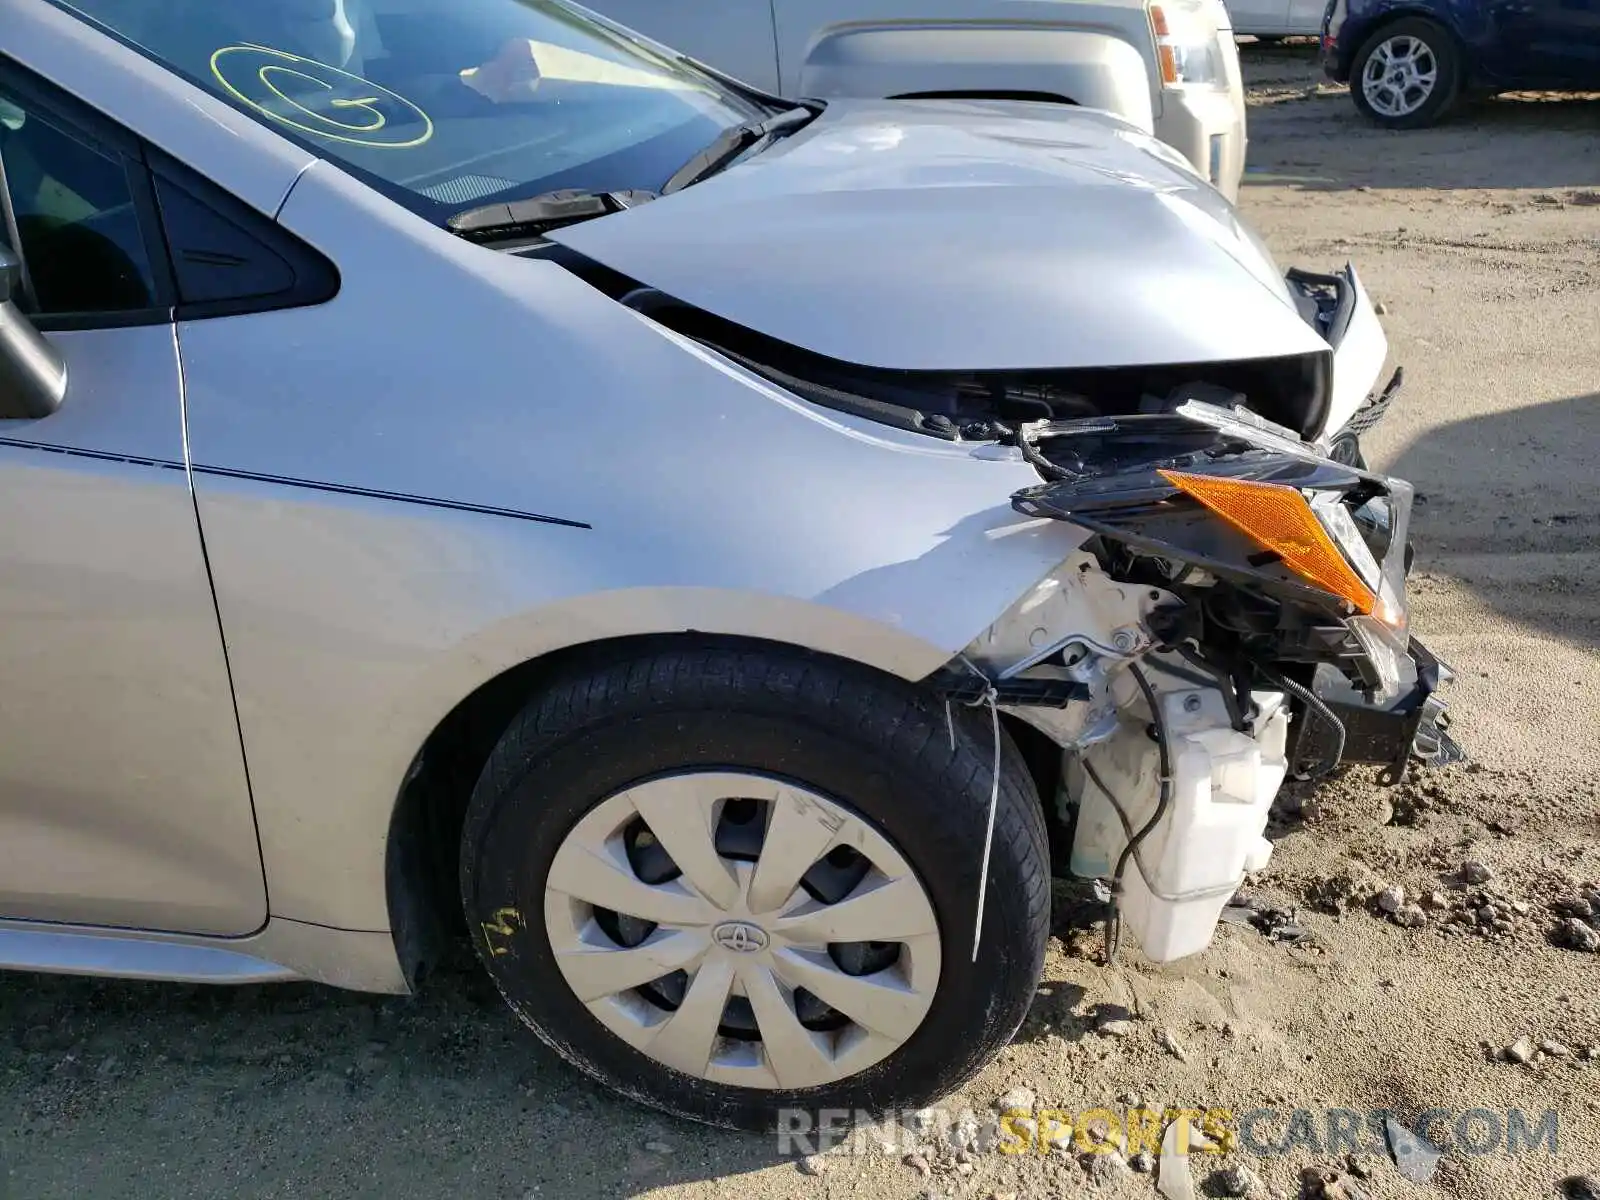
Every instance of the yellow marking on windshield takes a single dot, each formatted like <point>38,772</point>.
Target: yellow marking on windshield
<point>248,73</point>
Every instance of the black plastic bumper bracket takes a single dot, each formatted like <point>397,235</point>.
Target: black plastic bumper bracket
<point>1413,727</point>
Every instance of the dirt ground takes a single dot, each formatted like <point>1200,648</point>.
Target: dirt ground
<point>1482,242</point>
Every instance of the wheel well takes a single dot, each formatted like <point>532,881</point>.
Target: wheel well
<point>421,866</point>
<point>1043,760</point>
<point>1035,97</point>
<point>425,830</point>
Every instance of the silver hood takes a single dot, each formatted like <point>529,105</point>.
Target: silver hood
<point>949,235</point>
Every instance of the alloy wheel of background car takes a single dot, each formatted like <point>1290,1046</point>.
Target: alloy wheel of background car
<point>730,882</point>
<point>1406,75</point>
<point>1399,76</point>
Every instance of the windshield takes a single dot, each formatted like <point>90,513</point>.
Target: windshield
<point>443,104</point>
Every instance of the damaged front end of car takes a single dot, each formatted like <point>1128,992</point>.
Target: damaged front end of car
<point>1234,611</point>
<point>1237,617</point>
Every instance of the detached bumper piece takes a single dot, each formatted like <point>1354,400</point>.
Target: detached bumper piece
<point>1346,445</point>
<point>1377,405</point>
<point>1413,727</point>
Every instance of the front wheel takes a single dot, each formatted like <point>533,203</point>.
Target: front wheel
<point>733,881</point>
<point>1407,75</point>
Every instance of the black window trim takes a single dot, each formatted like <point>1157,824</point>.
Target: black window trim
<point>317,277</point>
<point>104,136</point>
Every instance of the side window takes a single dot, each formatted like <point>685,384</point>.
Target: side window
<point>73,214</point>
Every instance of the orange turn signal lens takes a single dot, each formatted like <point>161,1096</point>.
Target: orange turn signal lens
<point>1169,64</point>
<point>1159,20</point>
<point>1277,518</point>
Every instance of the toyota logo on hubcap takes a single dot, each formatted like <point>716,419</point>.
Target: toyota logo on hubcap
<point>741,937</point>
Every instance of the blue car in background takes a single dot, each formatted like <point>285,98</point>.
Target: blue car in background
<point>1409,61</point>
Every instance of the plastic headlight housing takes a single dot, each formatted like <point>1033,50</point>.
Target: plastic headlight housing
<point>1188,46</point>
<point>1386,577</point>
<point>1314,535</point>
<point>1384,648</point>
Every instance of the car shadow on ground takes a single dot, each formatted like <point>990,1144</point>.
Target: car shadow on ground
<point>1508,504</point>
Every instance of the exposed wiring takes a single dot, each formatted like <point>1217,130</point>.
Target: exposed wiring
<point>1234,697</point>
<point>988,834</point>
<point>990,697</point>
<point>1030,452</point>
<point>1111,797</point>
<point>1127,830</point>
<point>1163,801</point>
<point>1314,704</point>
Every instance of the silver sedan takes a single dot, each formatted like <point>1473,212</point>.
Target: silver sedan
<point>471,468</point>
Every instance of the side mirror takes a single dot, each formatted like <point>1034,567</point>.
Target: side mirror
<point>33,376</point>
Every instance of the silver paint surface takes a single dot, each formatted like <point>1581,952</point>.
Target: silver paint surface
<point>123,798</point>
<point>946,235</point>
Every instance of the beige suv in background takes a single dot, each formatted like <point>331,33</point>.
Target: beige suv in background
<point>1168,66</point>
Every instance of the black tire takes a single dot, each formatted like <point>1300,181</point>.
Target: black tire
<point>872,743</point>
<point>1447,85</point>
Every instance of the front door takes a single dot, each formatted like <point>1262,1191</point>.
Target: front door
<point>123,798</point>
<point>1547,43</point>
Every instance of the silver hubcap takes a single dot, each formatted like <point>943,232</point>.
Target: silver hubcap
<point>742,930</point>
<point>1399,76</point>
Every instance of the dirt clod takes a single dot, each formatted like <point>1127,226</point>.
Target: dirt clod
<point>1019,1099</point>
<point>1104,1169</point>
<point>1320,1183</point>
<point>1236,1180</point>
<point>1410,916</point>
<point>1474,871</point>
<point>1578,935</point>
<point>1339,891</point>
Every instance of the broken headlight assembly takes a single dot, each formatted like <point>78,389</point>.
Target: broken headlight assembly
<point>1275,566</point>
<point>1283,556</point>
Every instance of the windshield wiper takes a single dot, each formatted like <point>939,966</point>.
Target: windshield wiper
<point>541,213</point>
<point>551,210</point>
<point>731,143</point>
